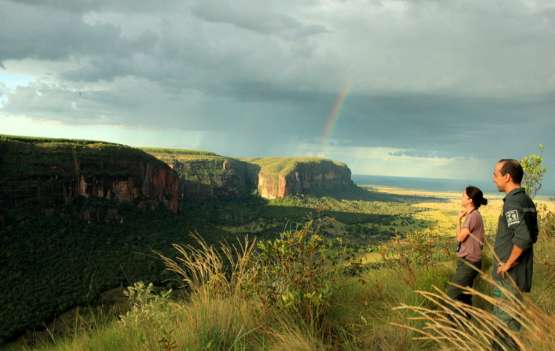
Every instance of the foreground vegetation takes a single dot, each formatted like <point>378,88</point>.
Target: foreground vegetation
<point>51,263</point>
<point>324,285</point>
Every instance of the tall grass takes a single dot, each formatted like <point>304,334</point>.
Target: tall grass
<point>211,271</point>
<point>453,325</point>
<point>285,283</point>
<point>290,281</point>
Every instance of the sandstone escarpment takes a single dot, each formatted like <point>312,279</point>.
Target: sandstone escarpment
<point>206,176</point>
<point>59,201</point>
<point>47,174</point>
<point>281,177</point>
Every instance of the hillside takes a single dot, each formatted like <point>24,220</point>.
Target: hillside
<point>78,217</point>
<point>206,175</point>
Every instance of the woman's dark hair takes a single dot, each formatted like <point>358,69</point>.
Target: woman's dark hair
<point>476,195</point>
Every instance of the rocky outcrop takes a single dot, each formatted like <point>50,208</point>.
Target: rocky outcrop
<point>48,174</point>
<point>281,177</point>
<point>206,176</point>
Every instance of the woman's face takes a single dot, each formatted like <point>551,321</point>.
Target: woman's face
<point>465,200</point>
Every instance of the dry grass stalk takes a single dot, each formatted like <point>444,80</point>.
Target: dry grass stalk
<point>213,271</point>
<point>454,325</point>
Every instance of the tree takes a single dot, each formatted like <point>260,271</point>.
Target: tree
<point>534,170</point>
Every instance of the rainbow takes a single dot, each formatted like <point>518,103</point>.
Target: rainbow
<point>331,121</point>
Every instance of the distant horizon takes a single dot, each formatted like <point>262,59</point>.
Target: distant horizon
<point>437,184</point>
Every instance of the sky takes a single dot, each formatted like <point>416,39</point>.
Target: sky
<point>422,88</point>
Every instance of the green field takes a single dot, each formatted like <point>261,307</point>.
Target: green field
<point>30,156</point>
<point>185,152</point>
<point>284,165</point>
<point>182,154</point>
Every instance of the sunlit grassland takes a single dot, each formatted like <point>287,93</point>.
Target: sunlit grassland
<point>284,165</point>
<point>184,152</point>
<point>442,215</point>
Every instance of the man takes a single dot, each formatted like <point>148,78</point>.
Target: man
<point>517,231</point>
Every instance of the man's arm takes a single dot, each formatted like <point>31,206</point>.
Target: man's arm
<point>522,240</point>
<point>511,261</point>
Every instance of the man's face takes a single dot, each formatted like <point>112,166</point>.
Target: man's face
<point>500,180</point>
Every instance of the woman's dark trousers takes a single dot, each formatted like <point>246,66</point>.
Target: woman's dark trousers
<point>464,276</point>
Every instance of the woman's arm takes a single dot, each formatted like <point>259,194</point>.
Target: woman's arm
<point>462,233</point>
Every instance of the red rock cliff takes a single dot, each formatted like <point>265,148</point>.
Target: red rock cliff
<point>281,177</point>
<point>48,173</point>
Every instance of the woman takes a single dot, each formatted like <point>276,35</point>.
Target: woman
<point>470,237</point>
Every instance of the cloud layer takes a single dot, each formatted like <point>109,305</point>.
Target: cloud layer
<point>432,79</point>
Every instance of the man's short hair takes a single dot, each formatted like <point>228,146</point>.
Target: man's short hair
<point>512,167</point>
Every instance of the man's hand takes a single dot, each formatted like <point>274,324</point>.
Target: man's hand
<point>504,267</point>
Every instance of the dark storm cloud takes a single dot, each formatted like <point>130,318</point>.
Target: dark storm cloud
<point>435,78</point>
<point>439,125</point>
<point>81,6</point>
<point>51,34</point>
<point>449,125</point>
<point>255,19</point>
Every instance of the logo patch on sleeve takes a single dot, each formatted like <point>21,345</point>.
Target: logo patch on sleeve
<point>512,217</point>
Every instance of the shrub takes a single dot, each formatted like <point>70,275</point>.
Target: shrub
<point>294,275</point>
<point>534,171</point>
<point>419,249</point>
<point>547,221</point>
<point>145,304</point>
<point>298,273</point>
